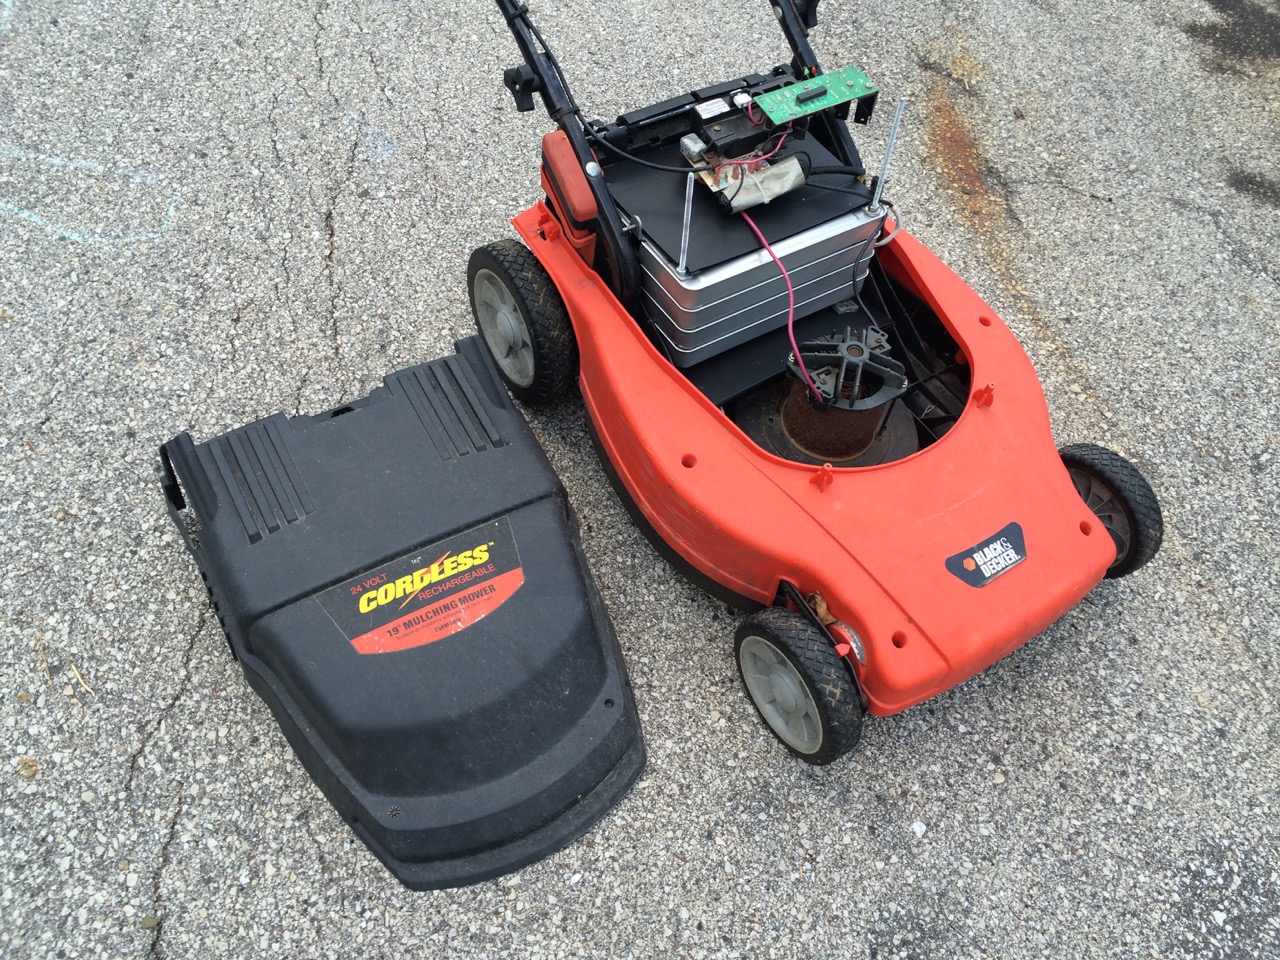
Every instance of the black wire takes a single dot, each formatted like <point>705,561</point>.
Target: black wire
<point>575,110</point>
<point>833,171</point>
<point>855,191</point>
<point>806,164</point>
<point>591,134</point>
<point>857,290</point>
<point>551,58</point>
<point>596,138</point>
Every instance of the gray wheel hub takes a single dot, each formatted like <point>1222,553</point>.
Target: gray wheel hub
<point>780,694</point>
<point>504,327</point>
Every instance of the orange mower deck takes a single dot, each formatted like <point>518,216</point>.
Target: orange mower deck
<point>873,541</point>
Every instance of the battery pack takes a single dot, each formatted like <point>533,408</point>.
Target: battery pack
<point>732,291</point>
<point>402,581</point>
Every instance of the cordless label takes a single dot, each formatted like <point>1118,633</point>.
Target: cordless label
<point>979,565</point>
<point>432,593</point>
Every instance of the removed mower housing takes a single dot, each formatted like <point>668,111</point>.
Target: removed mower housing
<point>809,414</point>
<point>401,580</point>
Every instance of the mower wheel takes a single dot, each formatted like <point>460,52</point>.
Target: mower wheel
<point>801,688</point>
<point>523,322</point>
<point>1121,499</point>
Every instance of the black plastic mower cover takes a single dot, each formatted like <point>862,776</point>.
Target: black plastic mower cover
<point>402,582</point>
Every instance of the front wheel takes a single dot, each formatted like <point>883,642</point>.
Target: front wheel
<point>800,687</point>
<point>523,322</point>
<point>1121,499</point>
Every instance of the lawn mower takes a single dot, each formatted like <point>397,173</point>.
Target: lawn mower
<point>806,411</point>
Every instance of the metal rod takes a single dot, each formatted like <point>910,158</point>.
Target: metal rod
<point>683,269</point>
<point>874,209</point>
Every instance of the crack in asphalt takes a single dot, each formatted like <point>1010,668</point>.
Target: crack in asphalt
<point>330,228</point>
<point>275,127</point>
<point>183,683</point>
<point>321,67</point>
<point>427,148</point>
<point>297,396</point>
<point>382,81</point>
<point>1225,223</point>
<point>158,881</point>
<point>284,267</point>
<point>231,337</point>
<point>1062,185</point>
<point>308,821</point>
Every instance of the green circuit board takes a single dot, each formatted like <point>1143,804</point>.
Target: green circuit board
<point>817,93</point>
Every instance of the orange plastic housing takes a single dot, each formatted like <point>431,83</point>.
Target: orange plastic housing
<point>872,540</point>
<point>567,189</point>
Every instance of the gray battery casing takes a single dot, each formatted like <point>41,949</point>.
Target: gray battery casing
<point>708,311</point>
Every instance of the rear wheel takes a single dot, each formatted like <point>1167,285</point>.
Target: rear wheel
<point>523,322</point>
<point>801,688</point>
<point>1121,499</point>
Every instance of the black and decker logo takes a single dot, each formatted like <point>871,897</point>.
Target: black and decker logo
<point>981,564</point>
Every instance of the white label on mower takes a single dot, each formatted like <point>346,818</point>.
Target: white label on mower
<point>711,108</point>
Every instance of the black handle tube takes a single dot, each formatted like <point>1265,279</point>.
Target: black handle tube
<point>619,259</point>
<point>805,63</point>
<point>803,58</point>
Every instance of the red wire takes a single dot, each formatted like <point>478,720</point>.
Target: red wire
<point>791,307</point>
<point>749,160</point>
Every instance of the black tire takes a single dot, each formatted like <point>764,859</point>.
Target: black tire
<point>801,689</point>
<point>523,322</point>
<point>1121,499</point>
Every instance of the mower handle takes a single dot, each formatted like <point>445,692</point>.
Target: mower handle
<point>541,74</point>
<point>796,18</point>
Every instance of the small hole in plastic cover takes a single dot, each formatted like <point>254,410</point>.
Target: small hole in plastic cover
<point>1086,527</point>
<point>688,460</point>
<point>899,639</point>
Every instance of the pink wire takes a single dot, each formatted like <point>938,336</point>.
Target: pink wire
<point>791,307</point>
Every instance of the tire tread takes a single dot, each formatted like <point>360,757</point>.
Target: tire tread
<point>1135,494</point>
<point>839,702</point>
<point>555,347</point>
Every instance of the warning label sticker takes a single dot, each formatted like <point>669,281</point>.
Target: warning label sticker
<point>429,594</point>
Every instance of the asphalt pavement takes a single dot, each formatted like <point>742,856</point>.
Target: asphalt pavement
<point>213,211</point>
